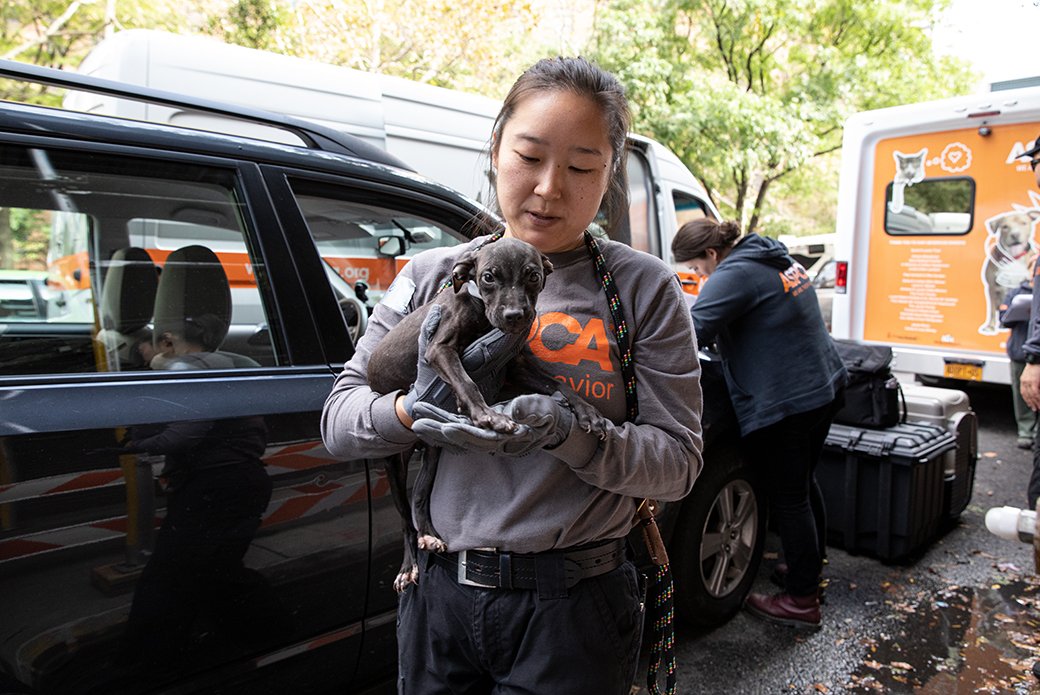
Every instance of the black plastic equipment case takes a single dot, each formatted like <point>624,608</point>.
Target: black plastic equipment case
<point>883,488</point>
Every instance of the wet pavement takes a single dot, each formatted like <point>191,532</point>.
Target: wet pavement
<point>959,616</point>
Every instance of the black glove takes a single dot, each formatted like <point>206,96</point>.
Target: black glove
<point>544,422</point>
<point>484,360</point>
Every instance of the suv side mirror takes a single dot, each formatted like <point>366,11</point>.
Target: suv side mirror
<point>392,246</point>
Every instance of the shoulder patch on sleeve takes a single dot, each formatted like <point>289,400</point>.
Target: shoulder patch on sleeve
<point>399,294</point>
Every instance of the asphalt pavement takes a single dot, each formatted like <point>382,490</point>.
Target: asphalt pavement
<point>960,615</point>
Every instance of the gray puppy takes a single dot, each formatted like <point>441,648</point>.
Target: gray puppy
<point>495,286</point>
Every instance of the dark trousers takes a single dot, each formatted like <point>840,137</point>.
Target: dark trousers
<point>786,454</point>
<point>462,639</point>
<point>196,567</point>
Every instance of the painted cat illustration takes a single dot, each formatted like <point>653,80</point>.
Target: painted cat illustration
<point>909,170</point>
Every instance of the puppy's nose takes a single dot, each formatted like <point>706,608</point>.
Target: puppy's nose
<point>513,318</point>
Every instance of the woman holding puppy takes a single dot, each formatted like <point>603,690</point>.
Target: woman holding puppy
<point>531,611</point>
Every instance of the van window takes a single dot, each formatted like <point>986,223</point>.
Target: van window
<point>941,206</point>
<point>131,265</point>
<point>640,206</point>
<point>688,208</point>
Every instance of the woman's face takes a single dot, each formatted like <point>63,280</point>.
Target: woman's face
<point>553,168</point>
<point>706,264</point>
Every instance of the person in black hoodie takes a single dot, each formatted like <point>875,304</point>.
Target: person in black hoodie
<point>786,381</point>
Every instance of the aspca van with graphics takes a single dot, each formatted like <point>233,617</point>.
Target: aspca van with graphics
<point>937,214</point>
<point>440,133</point>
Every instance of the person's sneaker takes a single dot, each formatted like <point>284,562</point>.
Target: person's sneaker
<point>782,608</point>
<point>1025,443</point>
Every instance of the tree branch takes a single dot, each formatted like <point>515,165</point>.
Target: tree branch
<point>50,31</point>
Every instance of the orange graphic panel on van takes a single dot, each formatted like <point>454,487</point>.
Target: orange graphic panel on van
<point>953,224</point>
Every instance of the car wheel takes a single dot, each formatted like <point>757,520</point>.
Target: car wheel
<point>717,544</point>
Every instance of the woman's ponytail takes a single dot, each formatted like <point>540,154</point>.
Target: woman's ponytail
<point>697,236</point>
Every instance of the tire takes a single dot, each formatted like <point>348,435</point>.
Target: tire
<point>718,540</point>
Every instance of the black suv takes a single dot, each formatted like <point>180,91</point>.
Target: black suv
<point>276,253</point>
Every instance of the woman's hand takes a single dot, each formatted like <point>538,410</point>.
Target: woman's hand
<point>1030,386</point>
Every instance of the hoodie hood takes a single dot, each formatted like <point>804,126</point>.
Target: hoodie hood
<point>753,247</point>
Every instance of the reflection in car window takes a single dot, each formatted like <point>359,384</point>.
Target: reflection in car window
<point>100,235</point>
<point>827,276</point>
<point>364,247</point>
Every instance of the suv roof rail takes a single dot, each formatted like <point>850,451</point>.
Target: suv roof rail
<point>314,135</point>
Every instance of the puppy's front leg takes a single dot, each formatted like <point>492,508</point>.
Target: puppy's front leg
<point>443,355</point>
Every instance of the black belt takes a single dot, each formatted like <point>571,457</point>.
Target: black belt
<point>551,572</point>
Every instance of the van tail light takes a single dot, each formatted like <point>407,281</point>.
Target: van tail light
<point>841,278</point>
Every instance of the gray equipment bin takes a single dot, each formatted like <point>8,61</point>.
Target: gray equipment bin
<point>883,488</point>
<point>951,410</point>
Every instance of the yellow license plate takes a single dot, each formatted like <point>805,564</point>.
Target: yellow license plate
<point>959,370</point>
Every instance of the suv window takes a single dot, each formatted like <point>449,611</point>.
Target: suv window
<point>146,262</point>
<point>363,247</point>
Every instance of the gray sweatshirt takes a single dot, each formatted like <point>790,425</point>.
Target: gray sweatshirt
<point>585,489</point>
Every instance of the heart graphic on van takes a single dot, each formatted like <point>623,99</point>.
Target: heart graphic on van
<point>955,158</point>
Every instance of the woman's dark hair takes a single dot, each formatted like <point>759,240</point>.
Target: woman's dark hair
<point>577,76</point>
<point>697,236</point>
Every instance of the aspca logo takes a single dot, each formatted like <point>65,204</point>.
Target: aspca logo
<point>793,278</point>
<point>955,158</point>
<point>1017,150</point>
<point>559,338</point>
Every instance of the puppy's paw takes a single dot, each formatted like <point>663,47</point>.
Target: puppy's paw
<point>491,420</point>
<point>432,544</point>
<point>406,577</point>
<point>589,419</point>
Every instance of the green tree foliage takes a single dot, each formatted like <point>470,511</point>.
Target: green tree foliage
<point>471,46</point>
<point>59,34</point>
<point>748,92</point>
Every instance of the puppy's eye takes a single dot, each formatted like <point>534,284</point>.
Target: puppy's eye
<point>488,277</point>
<point>535,278</point>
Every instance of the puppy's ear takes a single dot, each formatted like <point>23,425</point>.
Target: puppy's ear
<point>546,268</point>
<point>462,271</point>
<point>994,224</point>
<point>1034,214</point>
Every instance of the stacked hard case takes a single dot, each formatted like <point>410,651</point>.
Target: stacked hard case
<point>950,409</point>
<point>884,489</point>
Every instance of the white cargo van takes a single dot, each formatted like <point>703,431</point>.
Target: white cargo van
<point>936,221</point>
<point>441,133</point>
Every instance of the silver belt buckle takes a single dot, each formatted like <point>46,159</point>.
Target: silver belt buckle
<point>462,572</point>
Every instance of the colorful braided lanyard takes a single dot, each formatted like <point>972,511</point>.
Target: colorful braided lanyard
<point>628,369</point>
<point>662,603</point>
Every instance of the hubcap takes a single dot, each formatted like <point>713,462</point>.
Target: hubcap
<point>728,541</point>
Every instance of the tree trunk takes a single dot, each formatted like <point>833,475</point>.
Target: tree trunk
<point>6,240</point>
<point>740,181</point>
<point>760,200</point>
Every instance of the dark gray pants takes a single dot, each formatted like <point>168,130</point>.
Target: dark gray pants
<point>463,639</point>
